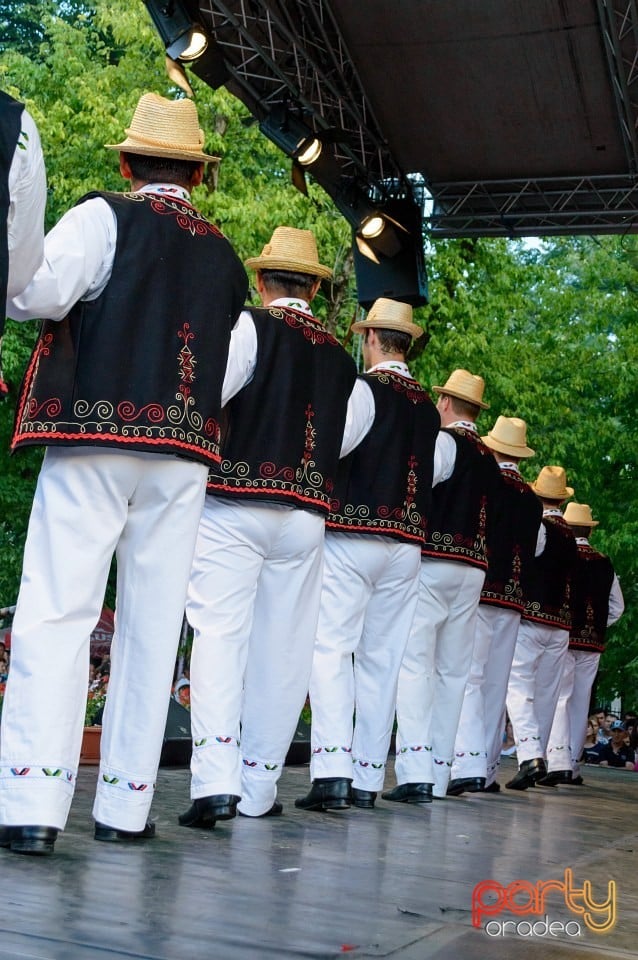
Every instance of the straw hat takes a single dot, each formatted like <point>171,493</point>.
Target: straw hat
<point>291,249</point>
<point>509,436</point>
<point>579,515</point>
<point>389,315</point>
<point>164,128</point>
<point>551,484</point>
<point>465,386</point>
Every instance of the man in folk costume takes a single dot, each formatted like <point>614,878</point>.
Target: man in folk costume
<point>253,598</point>
<point>372,555</point>
<point>438,655</point>
<point>543,635</point>
<point>23,193</point>
<point>125,390</point>
<point>595,601</point>
<point>514,540</point>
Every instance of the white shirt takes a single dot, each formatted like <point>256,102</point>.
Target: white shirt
<point>616,599</point>
<point>27,200</point>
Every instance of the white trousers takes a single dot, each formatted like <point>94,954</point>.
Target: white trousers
<point>479,737</point>
<point>88,504</point>
<point>569,728</point>
<point>368,600</point>
<point>253,603</point>
<point>434,671</point>
<point>534,682</point>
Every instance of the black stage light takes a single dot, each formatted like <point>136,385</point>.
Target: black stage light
<point>183,38</point>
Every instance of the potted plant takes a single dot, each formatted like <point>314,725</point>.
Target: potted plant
<point>96,698</point>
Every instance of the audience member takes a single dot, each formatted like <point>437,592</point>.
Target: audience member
<point>617,753</point>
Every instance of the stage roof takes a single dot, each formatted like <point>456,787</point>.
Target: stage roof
<point>518,117</point>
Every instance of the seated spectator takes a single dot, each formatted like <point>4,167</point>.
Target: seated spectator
<point>591,747</point>
<point>617,753</point>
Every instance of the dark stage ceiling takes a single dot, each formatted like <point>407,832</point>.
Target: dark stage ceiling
<point>517,116</point>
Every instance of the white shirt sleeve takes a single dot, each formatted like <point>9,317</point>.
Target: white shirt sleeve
<point>242,357</point>
<point>359,418</point>
<point>78,259</point>
<point>616,602</point>
<point>444,457</point>
<point>27,200</point>
<point>541,540</point>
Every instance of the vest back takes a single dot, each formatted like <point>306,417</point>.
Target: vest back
<point>589,599</point>
<point>285,427</point>
<point>385,485</point>
<point>462,504</point>
<point>550,574</point>
<point>142,366</point>
<point>512,542</point>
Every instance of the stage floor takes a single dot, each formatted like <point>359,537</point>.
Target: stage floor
<point>396,881</point>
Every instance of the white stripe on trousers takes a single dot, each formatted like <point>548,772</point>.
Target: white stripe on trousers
<point>532,692</point>
<point>88,504</point>
<point>253,602</point>
<point>434,671</point>
<point>479,737</point>
<point>569,729</point>
<point>368,600</point>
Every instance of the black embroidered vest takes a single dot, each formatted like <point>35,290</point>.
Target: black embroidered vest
<point>285,427</point>
<point>512,542</point>
<point>10,115</point>
<point>385,485</point>
<point>142,366</point>
<point>589,599</point>
<point>548,585</point>
<point>461,505</point>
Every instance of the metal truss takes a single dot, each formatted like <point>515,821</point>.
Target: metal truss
<point>292,52</point>
<point>565,205</point>
<point>619,25</point>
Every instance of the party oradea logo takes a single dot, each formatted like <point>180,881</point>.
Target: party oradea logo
<point>533,901</point>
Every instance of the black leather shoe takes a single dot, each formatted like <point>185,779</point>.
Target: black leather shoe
<point>327,793</point>
<point>275,811</point>
<point>576,782</point>
<point>113,835</point>
<point>493,787</point>
<point>363,798</point>
<point>34,840</point>
<point>410,793</point>
<point>555,777</point>
<point>528,773</point>
<point>465,785</point>
<point>205,811</point>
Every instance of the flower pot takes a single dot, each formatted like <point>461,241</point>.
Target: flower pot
<point>90,752</point>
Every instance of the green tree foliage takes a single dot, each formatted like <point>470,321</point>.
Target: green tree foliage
<point>551,328</point>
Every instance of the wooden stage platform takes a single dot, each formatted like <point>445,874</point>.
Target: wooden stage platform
<point>396,881</point>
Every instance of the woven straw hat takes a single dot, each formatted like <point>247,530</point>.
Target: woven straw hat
<point>164,128</point>
<point>509,436</point>
<point>579,515</point>
<point>551,484</point>
<point>465,386</point>
<point>291,249</point>
<point>389,315</point>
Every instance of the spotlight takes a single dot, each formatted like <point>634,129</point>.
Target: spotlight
<point>309,151</point>
<point>372,226</point>
<point>183,39</point>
